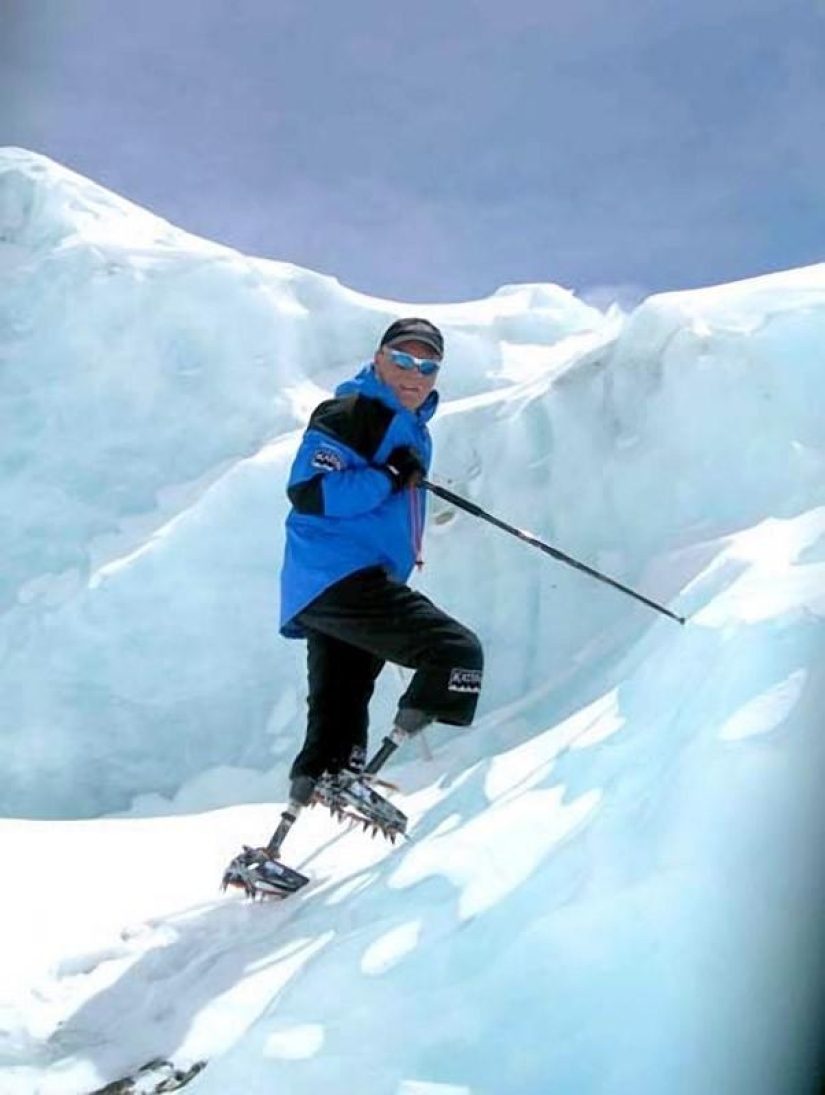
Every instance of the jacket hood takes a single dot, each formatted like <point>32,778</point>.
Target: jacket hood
<point>367,383</point>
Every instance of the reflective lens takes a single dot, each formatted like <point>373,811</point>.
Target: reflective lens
<point>425,365</point>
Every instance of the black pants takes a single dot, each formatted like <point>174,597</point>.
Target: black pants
<point>356,626</point>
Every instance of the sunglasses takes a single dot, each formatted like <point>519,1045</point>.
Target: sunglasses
<point>425,365</point>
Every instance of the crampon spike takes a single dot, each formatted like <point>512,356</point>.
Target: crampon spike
<point>259,874</point>
<point>354,799</point>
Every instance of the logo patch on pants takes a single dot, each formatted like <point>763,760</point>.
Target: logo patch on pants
<point>464,680</point>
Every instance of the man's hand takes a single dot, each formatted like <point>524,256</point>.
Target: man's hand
<point>404,468</point>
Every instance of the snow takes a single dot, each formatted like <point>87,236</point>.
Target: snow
<point>613,882</point>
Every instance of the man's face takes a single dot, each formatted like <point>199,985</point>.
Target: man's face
<point>409,386</point>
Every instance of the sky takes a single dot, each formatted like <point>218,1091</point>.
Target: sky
<point>436,151</point>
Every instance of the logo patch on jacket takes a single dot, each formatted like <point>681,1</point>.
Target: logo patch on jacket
<point>327,460</point>
<point>464,680</point>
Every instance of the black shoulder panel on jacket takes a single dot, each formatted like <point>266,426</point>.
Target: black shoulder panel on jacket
<point>308,497</point>
<point>357,420</point>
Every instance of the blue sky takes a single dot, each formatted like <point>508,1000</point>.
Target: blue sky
<point>436,150</point>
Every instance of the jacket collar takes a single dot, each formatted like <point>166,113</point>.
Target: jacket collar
<point>368,383</point>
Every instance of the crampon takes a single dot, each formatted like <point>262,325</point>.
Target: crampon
<point>259,875</point>
<point>353,798</point>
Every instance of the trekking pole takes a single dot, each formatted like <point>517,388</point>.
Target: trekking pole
<point>529,538</point>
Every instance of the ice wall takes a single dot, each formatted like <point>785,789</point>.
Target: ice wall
<point>614,883</point>
<point>152,389</point>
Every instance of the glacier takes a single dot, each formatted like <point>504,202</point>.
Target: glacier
<point>613,884</point>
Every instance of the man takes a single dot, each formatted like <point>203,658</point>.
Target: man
<point>353,537</point>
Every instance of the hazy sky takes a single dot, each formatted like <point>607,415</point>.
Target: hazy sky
<point>435,150</point>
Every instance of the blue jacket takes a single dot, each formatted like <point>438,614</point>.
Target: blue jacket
<point>344,516</point>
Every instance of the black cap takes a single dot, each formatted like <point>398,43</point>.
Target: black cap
<point>414,330</point>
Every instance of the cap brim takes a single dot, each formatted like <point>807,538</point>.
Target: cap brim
<point>414,338</point>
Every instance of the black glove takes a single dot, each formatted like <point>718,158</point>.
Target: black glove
<point>404,467</point>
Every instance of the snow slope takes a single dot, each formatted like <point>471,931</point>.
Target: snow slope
<point>614,880</point>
